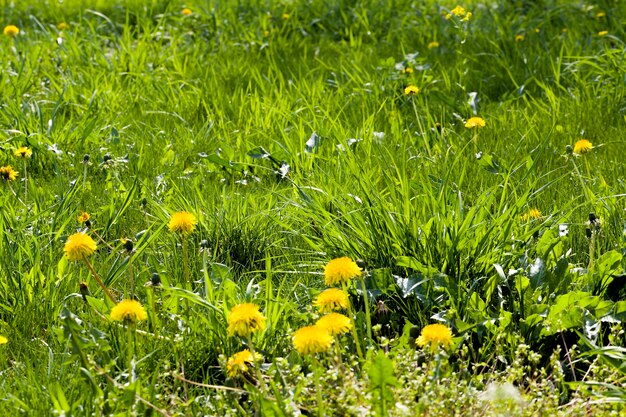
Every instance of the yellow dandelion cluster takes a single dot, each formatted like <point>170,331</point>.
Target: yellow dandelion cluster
<point>7,173</point>
<point>531,214</point>
<point>23,152</point>
<point>3,340</point>
<point>129,311</point>
<point>11,31</point>
<point>582,146</point>
<point>239,362</point>
<point>312,339</point>
<point>411,90</point>
<point>434,336</point>
<point>63,26</point>
<point>182,222</point>
<point>245,319</point>
<point>78,246</point>
<point>331,299</point>
<point>475,122</point>
<point>335,323</point>
<point>341,270</point>
<point>186,11</point>
<point>433,45</point>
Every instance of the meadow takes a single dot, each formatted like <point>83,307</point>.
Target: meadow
<point>365,207</point>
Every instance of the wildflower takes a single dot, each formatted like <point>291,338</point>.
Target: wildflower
<point>435,335</point>
<point>341,270</point>
<point>467,17</point>
<point>63,26</point>
<point>475,122</point>
<point>245,319</point>
<point>331,299</point>
<point>285,16</point>
<point>7,173</point>
<point>23,152</point>
<point>312,339</point>
<point>411,90</point>
<point>238,363</point>
<point>334,323</point>
<point>408,70</point>
<point>3,340</point>
<point>532,213</point>
<point>433,44</point>
<point>603,33</point>
<point>458,11</point>
<point>537,30</point>
<point>519,38</point>
<point>11,31</point>
<point>83,217</point>
<point>186,11</point>
<point>129,310</point>
<point>600,15</point>
<point>182,222</point>
<point>79,246</point>
<point>582,146</point>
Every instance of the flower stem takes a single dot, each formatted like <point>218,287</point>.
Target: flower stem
<point>99,280</point>
<point>131,278</point>
<point>355,334</point>
<point>185,261</point>
<point>318,386</point>
<point>368,318</point>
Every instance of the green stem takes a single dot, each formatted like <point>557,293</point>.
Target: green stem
<point>355,335</point>
<point>368,319</point>
<point>257,369</point>
<point>25,181</point>
<point>131,278</point>
<point>185,262</point>
<point>208,284</point>
<point>99,281</point>
<point>318,386</point>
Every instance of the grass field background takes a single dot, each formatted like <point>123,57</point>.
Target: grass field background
<point>285,128</point>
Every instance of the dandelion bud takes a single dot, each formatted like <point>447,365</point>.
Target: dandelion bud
<point>155,280</point>
<point>569,150</point>
<point>128,245</point>
<point>106,158</point>
<point>360,263</point>
<point>86,159</point>
<point>592,217</point>
<point>144,202</point>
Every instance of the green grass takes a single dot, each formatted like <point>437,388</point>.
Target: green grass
<point>284,127</point>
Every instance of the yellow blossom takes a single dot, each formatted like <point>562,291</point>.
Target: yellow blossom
<point>312,339</point>
<point>186,11</point>
<point>63,26</point>
<point>182,222</point>
<point>458,11</point>
<point>3,340</point>
<point>519,38</point>
<point>7,173</point>
<point>239,362</point>
<point>603,33</point>
<point>408,70</point>
<point>11,31</point>
<point>83,217</point>
<point>433,44</point>
<point>341,270</point>
<point>245,319</point>
<point>582,146</point>
<point>78,246</point>
<point>411,90</point>
<point>129,310</point>
<point>531,214</point>
<point>435,335</point>
<point>285,16</point>
<point>475,122</point>
<point>600,15</point>
<point>23,152</point>
<point>331,299</point>
<point>335,323</point>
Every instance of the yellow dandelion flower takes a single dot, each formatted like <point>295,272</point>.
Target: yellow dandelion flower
<point>23,152</point>
<point>433,45</point>
<point>458,11</point>
<point>79,246</point>
<point>531,214</point>
<point>341,270</point>
<point>285,16</point>
<point>245,319</point>
<point>312,339</point>
<point>238,363</point>
<point>519,38</point>
<point>467,17</point>
<point>435,335</point>
<point>408,70</point>
<point>11,31</point>
<point>335,323</point>
<point>83,217</point>
<point>582,146</point>
<point>411,90</point>
<point>182,222</point>
<point>331,299</point>
<point>475,122</point>
<point>537,30</point>
<point>603,33</point>
<point>63,26</point>
<point>600,15</point>
<point>3,340</point>
<point>186,11</point>
<point>7,173</point>
<point>129,310</point>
